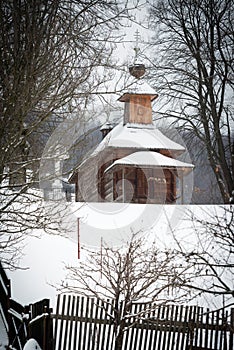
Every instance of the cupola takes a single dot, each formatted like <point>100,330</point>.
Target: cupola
<point>137,98</point>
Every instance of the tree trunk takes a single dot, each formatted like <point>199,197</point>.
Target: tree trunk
<point>119,339</point>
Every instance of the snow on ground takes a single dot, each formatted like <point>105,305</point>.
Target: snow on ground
<point>31,345</point>
<point>3,335</point>
<point>115,222</point>
<point>42,265</point>
<point>45,257</point>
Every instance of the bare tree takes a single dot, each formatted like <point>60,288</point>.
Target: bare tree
<point>210,255</point>
<point>53,55</point>
<point>128,275</point>
<point>193,66</point>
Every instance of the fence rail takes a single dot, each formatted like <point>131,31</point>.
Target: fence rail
<point>88,324</point>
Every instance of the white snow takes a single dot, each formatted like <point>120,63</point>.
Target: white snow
<point>32,344</point>
<point>3,284</point>
<point>3,319</point>
<point>129,136</point>
<point>144,138</point>
<point>38,318</point>
<point>137,87</point>
<point>15,314</point>
<point>45,258</point>
<point>3,331</point>
<point>148,158</point>
<point>43,264</point>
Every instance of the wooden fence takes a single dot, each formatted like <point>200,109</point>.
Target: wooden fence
<point>40,326</point>
<point>20,322</point>
<point>11,314</point>
<point>88,324</point>
<point>81,323</point>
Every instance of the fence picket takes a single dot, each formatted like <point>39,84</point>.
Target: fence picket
<point>189,323</point>
<point>76,325</point>
<point>67,323</point>
<point>86,323</point>
<point>216,330</point>
<point>173,325</point>
<point>162,319</point>
<point>136,328</point>
<point>171,330</point>
<point>156,323</point>
<point>206,331</point>
<point>57,318</point>
<point>147,328</point>
<point>60,333</point>
<point>225,346</point>
<point>110,335</point>
<point>211,331</point>
<point>104,310</point>
<point>184,328</point>
<point>95,324</point>
<point>81,324</point>
<point>231,329</point>
<point>71,325</point>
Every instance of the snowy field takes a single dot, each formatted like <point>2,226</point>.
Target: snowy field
<point>45,257</point>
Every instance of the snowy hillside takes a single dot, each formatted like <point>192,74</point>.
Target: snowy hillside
<point>45,257</point>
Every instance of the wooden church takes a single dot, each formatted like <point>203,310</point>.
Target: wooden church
<point>135,162</point>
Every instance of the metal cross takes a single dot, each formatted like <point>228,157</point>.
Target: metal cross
<point>136,48</point>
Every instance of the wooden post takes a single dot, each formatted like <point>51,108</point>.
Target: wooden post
<point>101,254</point>
<point>182,188</point>
<point>78,236</point>
<point>44,326</point>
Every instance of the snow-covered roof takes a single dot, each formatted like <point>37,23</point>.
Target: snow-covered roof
<point>130,136</point>
<point>138,87</point>
<point>152,159</point>
<point>135,137</point>
<point>107,125</point>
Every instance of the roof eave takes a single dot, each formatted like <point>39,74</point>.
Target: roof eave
<point>187,169</point>
<point>126,96</point>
